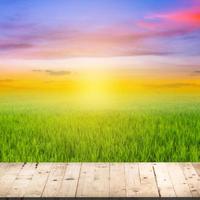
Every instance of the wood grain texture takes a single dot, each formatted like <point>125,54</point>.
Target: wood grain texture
<point>178,180</point>
<point>22,180</point>
<point>70,181</point>
<point>197,168</point>
<point>164,183</point>
<point>37,185</point>
<point>3,168</point>
<point>99,180</point>
<point>9,177</point>
<point>94,180</point>
<point>132,177</point>
<point>148,181</point>
<point>192,179</point>
<point>54,181</point>
<point>117,180</point>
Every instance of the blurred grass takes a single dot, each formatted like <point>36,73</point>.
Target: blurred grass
<point>165,129</point>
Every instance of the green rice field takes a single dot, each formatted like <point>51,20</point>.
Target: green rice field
<point>160,129</point>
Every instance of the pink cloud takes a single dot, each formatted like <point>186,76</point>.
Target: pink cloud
<point>64,42</point>
<point>188,19</point>
<point>123,39</point>
<point>14,46</point>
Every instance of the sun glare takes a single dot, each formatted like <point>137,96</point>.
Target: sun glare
<point>95,86</point>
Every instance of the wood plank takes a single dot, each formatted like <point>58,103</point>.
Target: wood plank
<point>69,184</point>
<point>178,180</point>
<point>3,168</point>
<point>54,180</point>
<point>94,180</point>
<point>117,180</point>
<point>192,179</point>
<point>100,180</point>
<point>8,177</point>
<point>197,168</point>
<point>132,177</point>
<point>164,183</point>
<point>149,187</point>
<point>39,180</point>
<point>22,181</point>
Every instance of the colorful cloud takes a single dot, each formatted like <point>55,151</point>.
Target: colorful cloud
<point>136,35</point>
<point>155,39</point>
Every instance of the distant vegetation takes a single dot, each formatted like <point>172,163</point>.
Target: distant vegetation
<point>154,131</point>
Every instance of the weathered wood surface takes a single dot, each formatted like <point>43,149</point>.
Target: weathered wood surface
<point>99,180</point>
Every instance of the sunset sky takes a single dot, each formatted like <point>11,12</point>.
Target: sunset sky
<point>99,43</point>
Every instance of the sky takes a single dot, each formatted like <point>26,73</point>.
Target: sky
<point>147,42</point>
